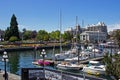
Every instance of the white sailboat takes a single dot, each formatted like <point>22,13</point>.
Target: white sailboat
<point>69,66</point>
<point>83,56</point>
<point>62,55</point>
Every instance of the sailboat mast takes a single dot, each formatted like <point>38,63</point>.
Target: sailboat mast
<point>76,27</point>
<point>60,31</point>
<point>82,23</point>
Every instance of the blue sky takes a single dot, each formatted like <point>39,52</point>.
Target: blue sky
<point>44,14</point>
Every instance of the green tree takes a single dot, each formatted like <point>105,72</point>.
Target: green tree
<point>67,36</point>
<point>13,29</point>
<point>116,36</point>
<point>116,66</point>
<point>42,35</point>
<point>27,35</point>
<point>7,34</point>
<point>13,39</point>
<point>55,35</point>
<point>112,65</point>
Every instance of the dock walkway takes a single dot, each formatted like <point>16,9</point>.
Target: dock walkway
<point>10,76</point>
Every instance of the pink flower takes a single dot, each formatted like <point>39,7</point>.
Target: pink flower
<point>40,62</point>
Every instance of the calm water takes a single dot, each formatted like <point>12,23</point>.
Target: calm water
<point>23,59</point>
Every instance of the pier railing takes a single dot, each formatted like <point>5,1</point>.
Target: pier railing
<point>37,74</point>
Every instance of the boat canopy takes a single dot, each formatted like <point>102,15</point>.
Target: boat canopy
<point>93,62</point>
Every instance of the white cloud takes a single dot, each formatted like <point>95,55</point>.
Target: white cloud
<point>113,26</point>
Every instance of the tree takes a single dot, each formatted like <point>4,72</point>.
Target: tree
<point>27,35</point>
<point>7,34</point>
<point>33,34</point>
<point>13,39</point>
<point>112,63</point>
<point>116,36</point>
<point>55,35</point>
<point>67,36</point>
<point>42,35</point>
<point>13,29</point>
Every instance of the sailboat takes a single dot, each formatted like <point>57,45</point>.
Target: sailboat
<point>72,53</point>
<point>69,66</point>
<point>62,55</point>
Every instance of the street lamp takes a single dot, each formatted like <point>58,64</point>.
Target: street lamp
<point>5,59</point>
<point>43,53</point>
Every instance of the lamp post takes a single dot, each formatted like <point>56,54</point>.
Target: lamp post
<point>43,53</point>
<point>5,59</point>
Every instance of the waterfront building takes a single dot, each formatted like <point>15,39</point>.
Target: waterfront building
<point>93,33</point>
<point>93,36</point>
<point>74,31</point>
<point>100,26</point>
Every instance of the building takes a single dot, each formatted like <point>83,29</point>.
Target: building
<point>74,31</point>
<point>93,36</point>
<point>93,33</point>
<point>100,26</point>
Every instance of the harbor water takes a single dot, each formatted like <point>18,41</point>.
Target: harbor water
<point>24,59</point>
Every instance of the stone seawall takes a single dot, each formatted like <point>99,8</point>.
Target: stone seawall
<point>29,48</point>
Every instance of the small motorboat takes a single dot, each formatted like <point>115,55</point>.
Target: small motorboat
<point>94,67</point>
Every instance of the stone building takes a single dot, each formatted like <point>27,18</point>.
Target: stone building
<point>100,26</point>
<point>93,33</point>
<point>93,36</point>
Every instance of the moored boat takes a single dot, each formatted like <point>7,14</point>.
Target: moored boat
<point>46,62</point>
<point>69,66</point>
<point>94,67</point>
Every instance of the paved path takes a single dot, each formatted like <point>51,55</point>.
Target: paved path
<point>10,76</point>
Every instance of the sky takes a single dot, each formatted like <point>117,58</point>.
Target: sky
<point>45,14</point>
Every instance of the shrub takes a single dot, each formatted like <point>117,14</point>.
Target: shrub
<point>13,39</point>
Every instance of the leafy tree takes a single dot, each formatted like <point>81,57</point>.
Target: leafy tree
<point>116,66</point>
<point>42,35</point>
<point>112,65</point>
<point>13,39</point>
<point>7,34</point>
<point>116,36</point>
<point>27,35</point>
<point>55,35</point>
<point>67,36</point>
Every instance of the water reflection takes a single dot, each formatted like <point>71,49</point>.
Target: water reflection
<point>13,62</point>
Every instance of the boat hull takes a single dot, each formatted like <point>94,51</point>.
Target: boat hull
<point>90,70</point>
<point>69,67</point>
